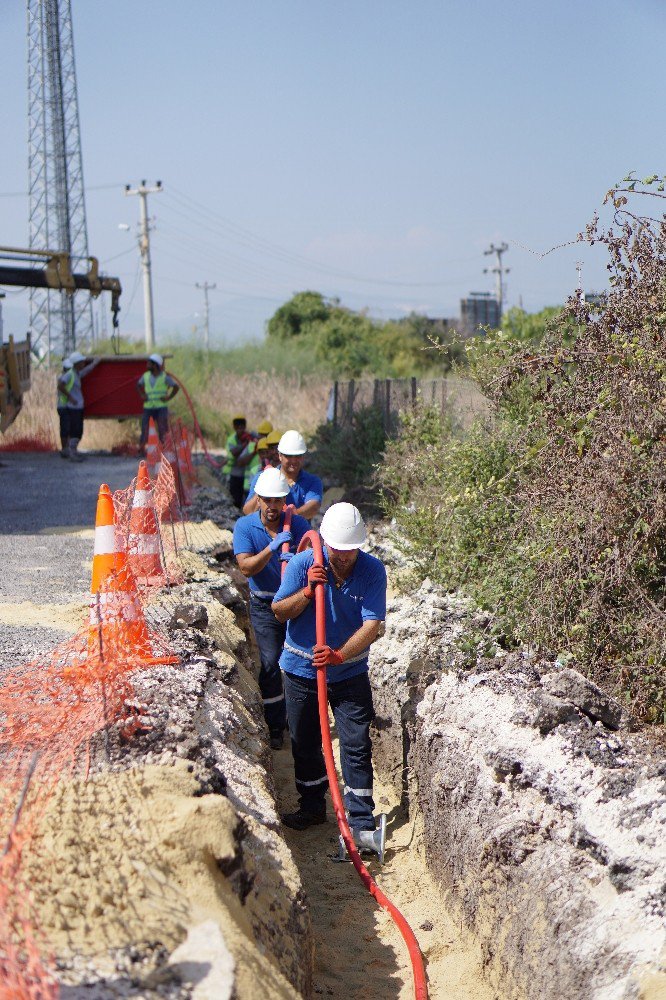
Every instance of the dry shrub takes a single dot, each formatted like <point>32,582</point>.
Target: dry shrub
<point>286,400</point>
<point>553,512</point>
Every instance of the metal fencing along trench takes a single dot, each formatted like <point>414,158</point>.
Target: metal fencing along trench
<point>459,398</point>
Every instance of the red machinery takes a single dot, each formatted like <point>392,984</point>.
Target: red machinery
<point>110,388</point>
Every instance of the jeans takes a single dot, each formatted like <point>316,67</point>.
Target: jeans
<point>351,701</point>
<point>160,415</point>
<point>269,633</point>
<point>237,489</point>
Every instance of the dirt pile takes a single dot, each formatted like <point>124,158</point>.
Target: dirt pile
<point>165,873</point>
<point>544,816</point>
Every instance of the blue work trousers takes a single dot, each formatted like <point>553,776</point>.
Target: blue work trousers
<point>160,415</point>
<point>351,701</point>
<point>269,633</point>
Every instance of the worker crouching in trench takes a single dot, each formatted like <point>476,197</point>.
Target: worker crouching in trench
<point>355,609</point>
<point>258,538</point>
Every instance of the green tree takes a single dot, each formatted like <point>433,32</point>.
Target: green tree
<point>297,316</point>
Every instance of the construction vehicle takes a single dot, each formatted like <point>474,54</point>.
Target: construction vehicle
<point>50,270</point>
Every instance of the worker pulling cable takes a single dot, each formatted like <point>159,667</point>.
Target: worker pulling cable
<point>334,601</point>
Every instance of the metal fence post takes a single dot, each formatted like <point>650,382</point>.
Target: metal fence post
<point>350,399</point>
<point>335,403</point>
<point>387,405</point>
<point>413,391</point>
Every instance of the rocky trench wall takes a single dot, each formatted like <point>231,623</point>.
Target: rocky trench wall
<point>544,815</point>
<point>164,873</point>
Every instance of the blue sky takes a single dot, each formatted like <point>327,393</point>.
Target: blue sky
<point>370,150</point>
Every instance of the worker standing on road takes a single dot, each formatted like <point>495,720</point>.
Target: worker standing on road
<point>258,539</point>
<point>305,490</point>
<point>70,400</point>
<point>355,608</point>
<point>156,389</point>
<point>65,383</point>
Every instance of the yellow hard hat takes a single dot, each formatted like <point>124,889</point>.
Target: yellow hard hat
<point>265,427</point>
<point>262,444</point>
<point>273,437</point>
<point>237,417</point>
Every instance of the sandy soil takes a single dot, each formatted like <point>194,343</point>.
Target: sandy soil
<point>124,864</point>
<point>360,954</point>
<point>66,617</point>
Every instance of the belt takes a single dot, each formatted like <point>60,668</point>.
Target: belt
<point>310,656</point>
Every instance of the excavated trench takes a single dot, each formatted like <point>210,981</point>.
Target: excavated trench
<point>526,828</point>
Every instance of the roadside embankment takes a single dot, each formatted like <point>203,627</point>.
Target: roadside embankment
<point>159,869</point>
<point>544,815</point>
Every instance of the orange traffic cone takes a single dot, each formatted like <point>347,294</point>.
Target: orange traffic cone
<point>143,540</point>
<point>153,450</point>
<point>117,623</point>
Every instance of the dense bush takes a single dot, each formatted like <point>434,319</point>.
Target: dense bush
<point>350,344</point>
<point>348,454</point>
<point>551,513</point>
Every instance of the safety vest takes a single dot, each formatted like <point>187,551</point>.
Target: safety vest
<point>155,394</point>
<point>62,398</point>
<point>251,469</point>
<point>232,442</point>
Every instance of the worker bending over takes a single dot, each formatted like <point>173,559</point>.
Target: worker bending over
<point>258,539</point>
<point>70,403</point>
<point>305,490</point>
<point>248,459</point>
<point>355,608</point>
<point>156,389</point>
<point>236,444</point>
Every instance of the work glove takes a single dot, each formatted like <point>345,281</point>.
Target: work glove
<point>325,656</point>
<point>286,556</point>
<point>316,574</point>
<point>280,539</point>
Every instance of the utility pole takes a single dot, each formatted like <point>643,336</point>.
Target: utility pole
<point>205,287</point>
<point>144,247</point>
<point>498,271</point>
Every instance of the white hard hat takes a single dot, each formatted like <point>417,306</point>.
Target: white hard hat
<point>292,443</point>
<point>271,483</point>
<point>157,358</point>
<point>76,356</point>
<point>67,363</point>
<point>342,527</point>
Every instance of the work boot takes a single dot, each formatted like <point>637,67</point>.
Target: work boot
<point>64,452</point>
<point>277,740</point>
<point>301,820</point>
<point>73,453</point>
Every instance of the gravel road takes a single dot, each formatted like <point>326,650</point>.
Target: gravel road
<point>47,517</point>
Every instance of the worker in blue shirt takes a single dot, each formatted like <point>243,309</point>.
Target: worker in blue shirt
<point>305,490</point>
<point>258,540</point>
<point>355,610</point>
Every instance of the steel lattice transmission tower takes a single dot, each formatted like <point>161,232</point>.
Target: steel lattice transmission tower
<point>59,322</point>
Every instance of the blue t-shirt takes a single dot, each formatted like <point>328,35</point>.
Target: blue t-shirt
<point>251,537</point>
<point>361,598</point>
<point>307,487</point>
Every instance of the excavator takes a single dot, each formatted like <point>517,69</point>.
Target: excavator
<point>40,269</point>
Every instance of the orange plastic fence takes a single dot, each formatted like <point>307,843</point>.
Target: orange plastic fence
<point>51,707</point>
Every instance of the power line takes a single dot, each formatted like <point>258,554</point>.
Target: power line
<point>274,249</point>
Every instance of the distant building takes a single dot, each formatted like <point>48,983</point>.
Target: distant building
<point>596,298</point>
<point>479,309</point>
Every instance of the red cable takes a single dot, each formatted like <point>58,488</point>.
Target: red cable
<point>197,428</point>
<point>420,984</point>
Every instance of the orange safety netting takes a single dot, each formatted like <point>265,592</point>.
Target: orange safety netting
<point>52,707</point>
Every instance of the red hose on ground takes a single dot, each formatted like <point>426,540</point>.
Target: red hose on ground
<point>311,538</point>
